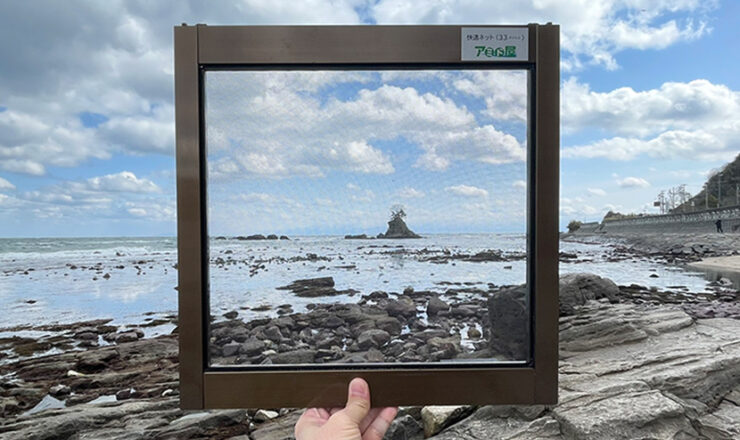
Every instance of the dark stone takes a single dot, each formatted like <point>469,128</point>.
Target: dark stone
<point>272,237</point>
<point>436,305</point>
<point>356,237</point>
<point>231,315</point>
<point>373,338</point>
<point>252,347</point>
<point>401,307</point>
<point>404,428</point>
<point>509,323</point>
<point>577,288</point>
<point>273,333</point>
<point>231,349</point>
<point>389,324</point>
<point>302,356</point>
<point>397,229</point>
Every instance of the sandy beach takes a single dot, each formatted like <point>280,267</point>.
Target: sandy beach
<point>729,263</point>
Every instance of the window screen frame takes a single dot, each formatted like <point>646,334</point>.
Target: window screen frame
<point>200,48</point>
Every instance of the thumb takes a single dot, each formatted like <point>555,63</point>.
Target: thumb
<point>358,401</point>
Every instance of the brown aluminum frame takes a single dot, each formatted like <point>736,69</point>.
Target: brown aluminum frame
<point>201,47</point>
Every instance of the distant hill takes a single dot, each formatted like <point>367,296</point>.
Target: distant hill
<point>722,182</point>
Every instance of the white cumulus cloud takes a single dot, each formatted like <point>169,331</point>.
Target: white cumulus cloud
<point>467,191</point>
<point>633,182</point>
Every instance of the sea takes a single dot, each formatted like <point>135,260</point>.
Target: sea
<point>133,280</point>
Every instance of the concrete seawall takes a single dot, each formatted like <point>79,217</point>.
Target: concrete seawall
<point>695,222</point>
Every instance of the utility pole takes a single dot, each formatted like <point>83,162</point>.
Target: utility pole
<point>706,196</point>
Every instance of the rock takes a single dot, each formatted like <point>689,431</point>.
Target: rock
<point>373,338</point>
<point>314,287</point>
<point>284,237</point>
<point>281,428</point>
<point>356,237</point>
<point>402,307</point>
<point>474,333</point>
<point>127,336</point>
<point>444,348</point>
<point>408,290</point>
<point>272,237</point>
<point>577,288</point>
<point>231,315</point>
<point>302,356</point>
<point>264,415</point>
<point>500,422</point>
<point>436,418</point>
<point>630,415</point>
<point>397,229</point>
<point>436,305</point>
<point>404,428</point>
<point>60,390</point>
<point>231,349</point>
<point>509,323</point>
<point>273,334</point>
<point>389,324</point>
<point>252,347</point>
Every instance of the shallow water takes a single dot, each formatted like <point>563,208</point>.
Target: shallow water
<point>38,284</point>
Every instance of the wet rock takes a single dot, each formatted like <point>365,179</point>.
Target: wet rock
<point>373,338</point>
<point>272,237</point>
<point>436,305</point>
<point>315,287</point>
<point>231,315</point>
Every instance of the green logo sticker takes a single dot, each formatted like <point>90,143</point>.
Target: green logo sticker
<point>496,52</point>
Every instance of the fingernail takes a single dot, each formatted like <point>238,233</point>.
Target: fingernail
<point>358,388</point>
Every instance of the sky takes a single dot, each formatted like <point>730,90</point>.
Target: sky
<point>649,100</point>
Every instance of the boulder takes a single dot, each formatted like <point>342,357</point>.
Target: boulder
<point>436,418</point>
<point>509,323</point>
<point>577,288</point>
<point>436,305</point>
<point>373,338</point>
<point>404,428</point>
<point>402,307</point>
<point>389,324</point>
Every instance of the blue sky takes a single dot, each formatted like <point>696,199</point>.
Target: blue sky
<point>650,99</point>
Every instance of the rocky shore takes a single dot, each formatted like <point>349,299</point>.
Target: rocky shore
<point>634,363</point>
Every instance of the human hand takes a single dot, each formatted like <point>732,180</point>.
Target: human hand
<point>356,421</point>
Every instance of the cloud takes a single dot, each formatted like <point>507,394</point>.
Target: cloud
<point>695,120</point>
<point>125,181</point>
<point>410,193</point>
<point>591,32</point>
<point>467,191</point>
<point>60,61</point>
<point>519,184</point>
<point>633,182</point>
<point>5,185</point>
<point>266,125</point>
<point>596,191</point>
